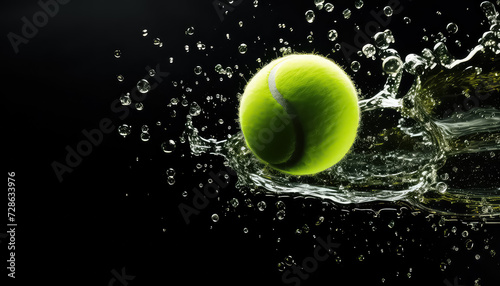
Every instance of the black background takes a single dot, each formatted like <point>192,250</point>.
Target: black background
<point>114,213</point>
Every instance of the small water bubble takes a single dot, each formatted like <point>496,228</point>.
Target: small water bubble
<point>261,205</point>
<point>469,244</point>
<point>234,202</point>
<point>280,205</point>
<point>117,54</point>
<point>391,224</point>
<point>242,48</point>
<point>346,13</point>
<point>329,7</point>
<point>355,66</point>
<point>280,214</point>
<point>407,20</point>
<point>310,38</point>
<point>169,146</point>
<point>215,217</point>
<point>120,78</point>
<point>358,4</point>
<point>452,28</point>
<point>310,16</point>
<point>332,35</point>
<point>477,256</point>
<point>170,180</point>
<point>319,4</point>
<point>145,136</point>
<point>125,99</point>
<point>465,233</point>
<point>443,266</point>
<point>143,86</point>
<point>194,109</point>
<point>289,260</point>
<point>197,70</point>
<point>361,257</point>
<point>190,31</point>
<point>388,11</point>
<point>441,187</point>
<point>124,130</point>
<point>320,220</point>
<point>369,50</point>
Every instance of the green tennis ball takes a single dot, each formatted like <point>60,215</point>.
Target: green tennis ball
<point>300,114</point>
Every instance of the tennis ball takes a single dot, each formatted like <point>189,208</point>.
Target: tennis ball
<point>299,114</point>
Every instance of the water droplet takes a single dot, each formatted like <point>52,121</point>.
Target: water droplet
<point>310,38</point>
<point>168,147</point>
<point>124,130</point>
<point>242,48</point>
<point>280,214</point>
<point>388,11</point>
<point>120,78</point>
<point>170,180</point>
<point>441,187</point>
<point>145,136</point>
<point>355,66</point>
<point>234,202</point>
<point>443,266</point>
<point>319,4</point>
<point>392,64</point>
<point>361,257</point>
<point>469,244</point>
<point>197,70</point>
<point>194,109</point>
<point>310,16</point>
<point>280,205</point>
<point>391,224</point>
<point>320,220</point>
<point>125,99</point>
<point>346,13</point>
<point>407,20</point>
<point>369,50</point>
<point>332,35</point>
<point>143,86</point>
<point>452,28</point>
<point>245,230</point>
<point>328,7</point>
<point>477,256</point>
<point>170,172</point>
<point>117,54</point>
<point>261,205</point>
<point>190,31</point>
<point>358,4</point>
<point>465,233</point>
<point>215,217</point>
<point>144,32</point>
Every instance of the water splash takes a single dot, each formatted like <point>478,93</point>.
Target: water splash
<point>450,110</point>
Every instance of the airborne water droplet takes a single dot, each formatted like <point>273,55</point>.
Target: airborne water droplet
<point>310,16</point>
<point>388,11</point>
<point>124,130</point>
<point>332,35</point>
<point>242,48</point>
<point>143,86</point>
<point>168,147</point>
<point>392,64</point>
<point>355,66</point>
<point>452,28</point>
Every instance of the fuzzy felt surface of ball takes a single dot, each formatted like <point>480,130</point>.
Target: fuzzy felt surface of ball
<point>299,114</point>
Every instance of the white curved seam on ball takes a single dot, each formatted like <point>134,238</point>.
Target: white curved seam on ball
<point>274,89</point>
